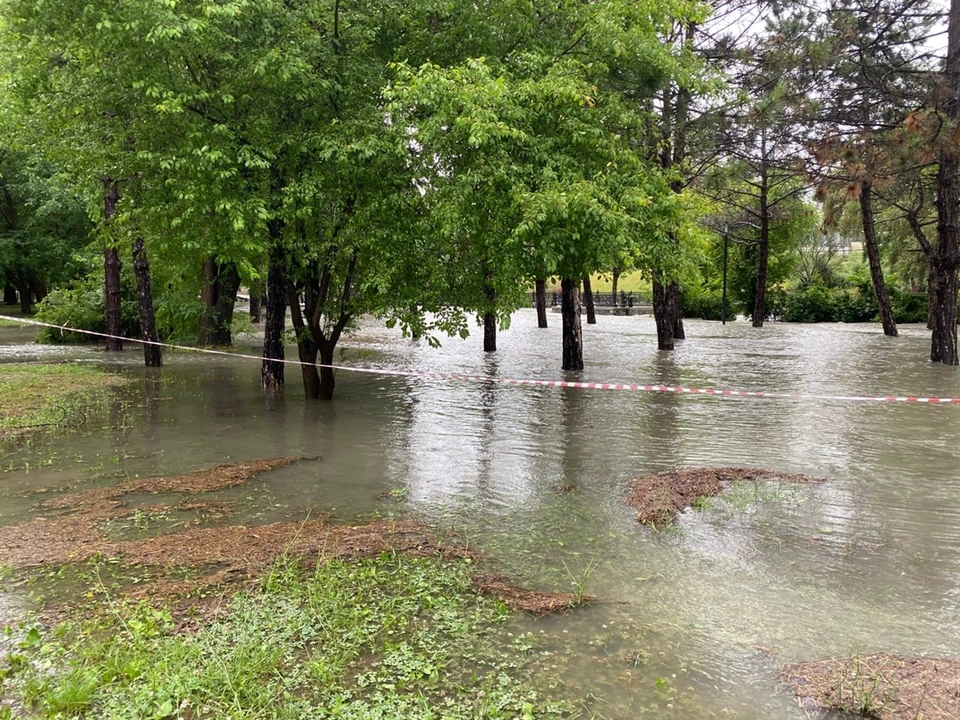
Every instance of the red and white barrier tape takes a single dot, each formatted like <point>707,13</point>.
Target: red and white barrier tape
<point>714,392</point>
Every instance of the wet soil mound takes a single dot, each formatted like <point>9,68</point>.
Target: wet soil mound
<point>72,531</point>
<point>658,498</point>
<point>883,687</point>
<point>531,601</point>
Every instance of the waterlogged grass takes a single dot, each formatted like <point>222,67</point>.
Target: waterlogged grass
<point>34,395</point>
<point>394,637</point>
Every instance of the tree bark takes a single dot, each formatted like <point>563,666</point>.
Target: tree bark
<point>946,259</point>
<point>489,317</point>
<point>572,331</point>
<point>588,300</point>
<point>307,352</point>
<point>148,318</point>
<point>540,300</point>
<point>678,332</point>
<point>327,377</point>
<point>111,273</point>
<point>873,258</point>
<point>664,315</point>
<point>38,288</point>
<point>271,371</point>
<point>255,313</point>
<point>615,282</point>
<point>9,294</point>
<point>931,294</point>
<point>23,288</point>
<point>218,296</point>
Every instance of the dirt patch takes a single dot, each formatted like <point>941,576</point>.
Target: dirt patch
<point>73,534</point>
<point>884,687</point>
<point>658,498</point>
<point>531,601</point>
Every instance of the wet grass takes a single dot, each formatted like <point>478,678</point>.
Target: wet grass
<point>39,395</point>
<point>390,637</point>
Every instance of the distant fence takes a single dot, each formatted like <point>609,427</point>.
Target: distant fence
<point>601,299</point>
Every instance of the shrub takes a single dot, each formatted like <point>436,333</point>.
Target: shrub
<point>705,303</point>
<point>81,305</point>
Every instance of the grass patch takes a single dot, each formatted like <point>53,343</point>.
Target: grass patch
<point>628,282</point>
<point>44,394</point>
<point>388,637</point>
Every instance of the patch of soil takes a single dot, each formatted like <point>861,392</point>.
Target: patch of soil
<point>659,497</point>
<point>884,687</point>
<point>531,601</point>
<point>72,533</point>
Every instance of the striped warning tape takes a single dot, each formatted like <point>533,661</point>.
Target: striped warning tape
<point>426,375</point>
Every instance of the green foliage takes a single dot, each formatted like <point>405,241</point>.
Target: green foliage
<point>385,638</point>
<point>705,303</point>
<point>817,303</point>
<point>81,305</point>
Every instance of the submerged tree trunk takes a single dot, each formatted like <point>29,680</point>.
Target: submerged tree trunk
<point>664,313</point>
<point>873,257</point>
<point>218,296</point>
<point>945,261</point>
<point>271,371</point>
<point>572,331</point>
<point>148,318</point>
<point>489,317</point>
<point>111,273</point>
<point>588,300</point>
<point>9,294</point>
<point>327,377</point>
<point>678,331</point>
<point>307,351</point>
<point>540,300</point>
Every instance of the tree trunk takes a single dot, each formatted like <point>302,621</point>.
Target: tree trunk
<point>614,284</point>
<point>873,257</point>
<point>218,296</point>
<point>540,300</point>
<point>111,273</point>
<point>489,318</point>
<point>588,300</point>
<point>271,371</point>
<point>677,309</point>
<point>946,260</point>
<point>148,318</point>
<point>23,288</point>
<point>307,351</point>
<point>255,304</point>
<point>931,294</point>
<point>327,378</point>
<point>38,288</point>
<point>572,332</point>
<point>9,294</point>
<point>663,314</point>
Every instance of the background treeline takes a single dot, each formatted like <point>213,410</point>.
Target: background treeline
<point>429,163</point>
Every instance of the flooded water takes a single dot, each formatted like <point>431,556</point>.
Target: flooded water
<point>693,621</point>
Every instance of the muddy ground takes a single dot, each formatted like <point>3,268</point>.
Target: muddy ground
<point>884,687</point>
<point>660,497</point>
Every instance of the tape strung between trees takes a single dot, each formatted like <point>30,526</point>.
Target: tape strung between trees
<point>628,387</point>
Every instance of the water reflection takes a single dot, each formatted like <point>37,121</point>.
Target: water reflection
<point>869,561</point>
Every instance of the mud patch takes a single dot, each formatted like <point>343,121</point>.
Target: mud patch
<point>72,532</point>
<point>883,687</point>
<point>658,498</point>
<point>534,602</point>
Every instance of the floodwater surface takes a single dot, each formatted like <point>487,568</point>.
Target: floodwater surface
<point>693,621</point>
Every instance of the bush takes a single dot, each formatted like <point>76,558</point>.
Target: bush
<point>81,305</point>
<point>855,305</point>
<point>705,303</point>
